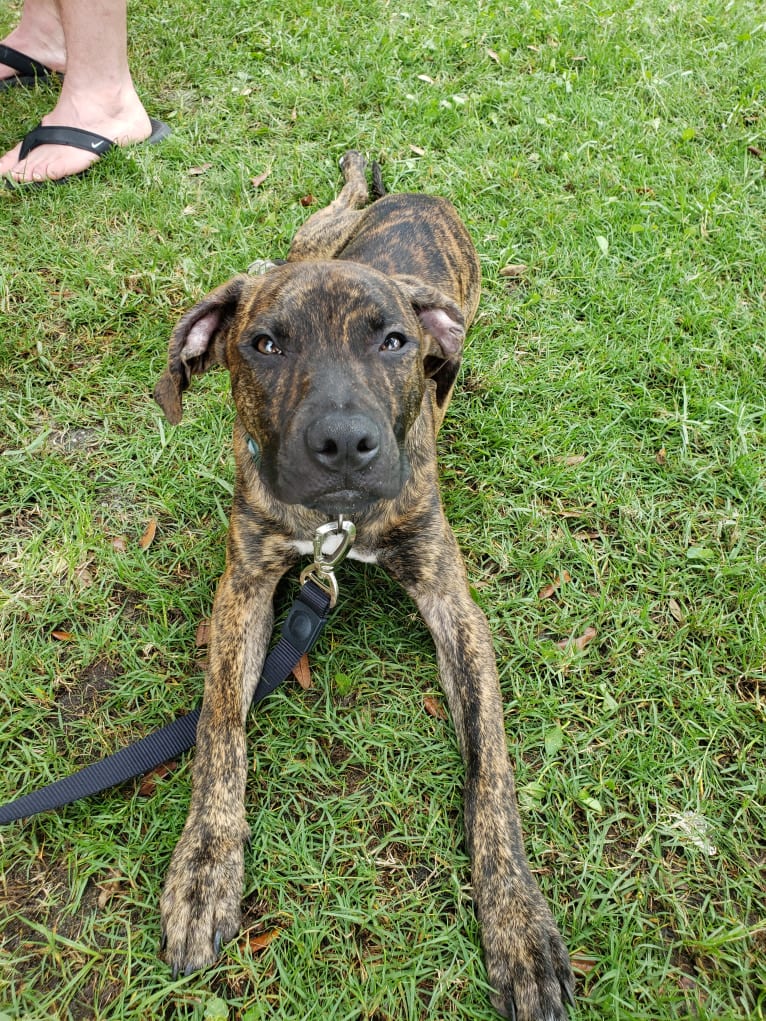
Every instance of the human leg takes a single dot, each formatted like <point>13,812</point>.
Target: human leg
<point>39,34</point>
<point>97,93</point>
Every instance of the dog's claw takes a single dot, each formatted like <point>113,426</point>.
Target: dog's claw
<point>163,942</point>
<point>568,993</point>
<point>217,940</point>
<point>175,971</point>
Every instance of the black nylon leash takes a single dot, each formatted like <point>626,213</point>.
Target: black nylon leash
<point>302,627</point>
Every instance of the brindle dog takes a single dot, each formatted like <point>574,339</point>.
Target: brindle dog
<point>342,363</point>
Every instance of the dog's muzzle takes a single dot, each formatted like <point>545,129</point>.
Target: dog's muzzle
<point>340,461</point>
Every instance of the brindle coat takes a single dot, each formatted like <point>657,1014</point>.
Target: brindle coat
<point>342,363</point>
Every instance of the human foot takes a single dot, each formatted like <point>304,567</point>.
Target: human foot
<point>27,72</point>
<point>42,44</point>
<point>120,124</point>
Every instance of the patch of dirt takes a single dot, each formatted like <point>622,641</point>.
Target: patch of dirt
<point>74,440</point>
<point>353,777</point>
<point>751,688</point>
<point>35,894</point>
<point>79,700</point>
<point>38,894</point>
<point>338,753</point>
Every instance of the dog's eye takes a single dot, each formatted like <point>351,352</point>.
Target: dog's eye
<point>393,342</point>
<point>266,345</point>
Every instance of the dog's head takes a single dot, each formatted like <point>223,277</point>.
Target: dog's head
<point>328,362</point>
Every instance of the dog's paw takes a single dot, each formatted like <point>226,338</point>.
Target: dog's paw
<point>528,965</point>
<point>352,162</point>
<point>200,904</point>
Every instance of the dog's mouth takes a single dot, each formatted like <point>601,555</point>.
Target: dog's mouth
<point>333,496</point>
<point>341,501</point>
<point>341,492</point>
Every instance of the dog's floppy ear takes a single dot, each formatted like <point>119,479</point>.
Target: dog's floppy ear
<point>197,344</point>
<point>442,320</point>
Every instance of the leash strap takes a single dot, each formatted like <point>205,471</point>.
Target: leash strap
<point>305,621</point>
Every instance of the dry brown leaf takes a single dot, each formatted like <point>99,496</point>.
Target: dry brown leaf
<point>417,150</point>
<point>149,533</point>
<point>574,459</point>
<point>585,638</point>
<point>302,672</point>
<point>426,78</point>
<point>259,179</point>
<point>202,637</point>
<point>108,890</point>
<point>493,56</point>
<point>83,576</point>
<point>260,940</point>
<point>582,964</point>
<point>661,457</point>
<point>553,586</point>
<point>514,269</point>
<point>587,535</point>
<point>434,708</point>
<point>675,611</point>
<point>119,543</point>
<point>62,636</point>
<point>149,782</point>
<point>197,171</point>
<point>579,643</point>
<point>755,151</point>
<point>308,200</point>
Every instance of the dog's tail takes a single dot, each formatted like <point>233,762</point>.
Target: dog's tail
<point>378,188</point>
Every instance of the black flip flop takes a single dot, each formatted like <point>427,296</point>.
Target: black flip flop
<point>29,72</point>
<point>76,138</point>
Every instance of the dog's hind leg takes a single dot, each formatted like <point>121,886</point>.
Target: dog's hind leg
<point>330,229</point>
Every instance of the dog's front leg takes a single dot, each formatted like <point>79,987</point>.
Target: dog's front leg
<point>526,959</point>
<point>200,903</point>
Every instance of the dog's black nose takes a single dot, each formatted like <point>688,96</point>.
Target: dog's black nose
<point>342,441</point>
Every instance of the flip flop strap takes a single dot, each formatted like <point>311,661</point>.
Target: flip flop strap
<point>22,63</point>
<point>74,137</point>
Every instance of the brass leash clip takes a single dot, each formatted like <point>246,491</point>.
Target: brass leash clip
<point>322,571</point>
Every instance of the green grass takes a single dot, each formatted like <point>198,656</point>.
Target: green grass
<point>609,423</point>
